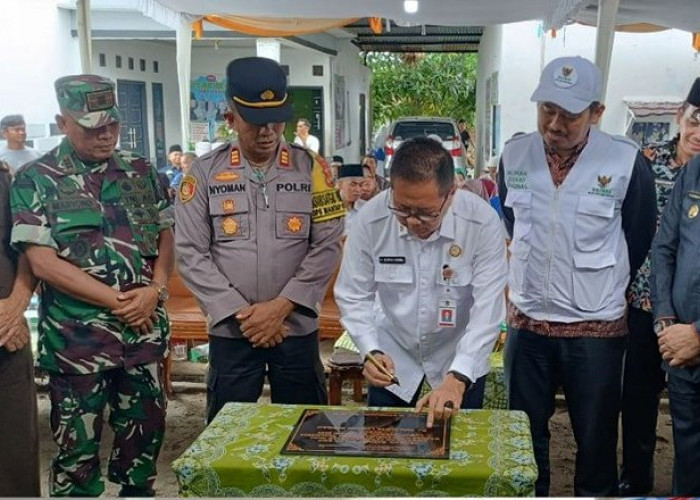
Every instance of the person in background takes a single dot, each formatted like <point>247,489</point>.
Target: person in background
<point>19,439</point>
<point>91,222</point>
<point>380,183</point>
<point>260,223</point>
<point>186,162</point>
<point>433,259</point>
<point>336,162</point>
<point>174,159</point>
<point>644,376</point>
<point>464,133</point>
<point>581,212</point>
<point>304,138</point>
<point>350,181</point>
<point>16,152</point>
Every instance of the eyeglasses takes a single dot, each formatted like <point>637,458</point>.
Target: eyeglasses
<point>552,109</point>
<point>425,218</point>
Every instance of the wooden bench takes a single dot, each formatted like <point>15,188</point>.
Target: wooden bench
<point>187,321</point>
<point>329,326</point>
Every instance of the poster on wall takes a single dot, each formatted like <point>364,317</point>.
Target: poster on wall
<point>340,111</point>
<point>207,106</point>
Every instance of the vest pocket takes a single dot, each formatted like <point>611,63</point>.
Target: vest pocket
<point>292,217</point>
<point>81,241</point>
<point>230,218</point>
<point>593,277</point>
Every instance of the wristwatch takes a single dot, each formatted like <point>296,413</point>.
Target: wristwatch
<point>461,378</point>
<point>162,290</point>
<point>661,324</point>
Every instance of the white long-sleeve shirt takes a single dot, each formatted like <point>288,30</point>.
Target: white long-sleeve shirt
<point>404,274</point>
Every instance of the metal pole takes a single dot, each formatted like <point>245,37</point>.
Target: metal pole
<point>605,37</point>
<point>84,35</point>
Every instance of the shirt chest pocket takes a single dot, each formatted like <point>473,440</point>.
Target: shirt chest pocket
<point>293,216</point>
<point>145,228</point>
<point>230,217</point>
<point>395,274</point>
<point>79,237</point>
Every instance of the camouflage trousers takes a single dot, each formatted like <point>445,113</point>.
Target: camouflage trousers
<point>137,406</point>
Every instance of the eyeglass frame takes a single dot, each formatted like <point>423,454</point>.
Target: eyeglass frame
<point>423,218</point>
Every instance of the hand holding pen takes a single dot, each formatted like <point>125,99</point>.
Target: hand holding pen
<point>379,370</point>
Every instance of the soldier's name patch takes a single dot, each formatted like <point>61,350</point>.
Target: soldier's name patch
<point>229,226</point>
<point>294,187</point>
<point>226,188</point>
<point>72,204</point>
<point>188,187</point>
<point>226,177</point>
<point>392,259</point>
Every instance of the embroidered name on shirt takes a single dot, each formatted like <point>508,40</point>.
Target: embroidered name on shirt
<point>226,188</point>
<point>603,187</point>
<point>517,179</point>
<point>392,260</point>
<point>294,187</point>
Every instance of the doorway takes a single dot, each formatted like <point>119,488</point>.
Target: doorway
<point>133,135</point>
<point>307,103</point>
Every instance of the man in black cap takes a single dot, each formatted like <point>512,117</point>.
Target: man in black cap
<point>259,233</point>
<point>643,375</point>
<point>350,180</point>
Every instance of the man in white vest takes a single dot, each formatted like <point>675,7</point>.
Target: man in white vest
<point>580,208</point>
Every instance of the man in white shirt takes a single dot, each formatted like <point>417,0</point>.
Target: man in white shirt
<point>16,153</point>
<point>433,259</point>
<point>303,137</point>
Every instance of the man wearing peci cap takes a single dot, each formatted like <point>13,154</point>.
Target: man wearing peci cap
<point>580,208</point>
<point>259,226</point>
<point>350,180</point>
<point>643,376</point>
<point>92,222</point>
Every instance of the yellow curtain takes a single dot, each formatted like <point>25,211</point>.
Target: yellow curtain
<point>269,26</point>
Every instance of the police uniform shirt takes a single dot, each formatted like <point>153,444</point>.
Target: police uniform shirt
<point>405,274</point>
<point>243,239</point>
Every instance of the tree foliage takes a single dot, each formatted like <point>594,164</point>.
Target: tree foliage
<point>433,84</point>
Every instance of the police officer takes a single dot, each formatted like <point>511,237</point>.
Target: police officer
<point>580,208</point>
<point>91,222</point>
<point>433,259</point>
<point>19,438</point>
<point>259,226</point>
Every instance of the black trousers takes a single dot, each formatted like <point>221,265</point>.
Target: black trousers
<point>643,381</point>
<point>237,372</point>
<point>590,372</point>
<point>684,397</point>
<point>473,399</point>
<point>19,433</point>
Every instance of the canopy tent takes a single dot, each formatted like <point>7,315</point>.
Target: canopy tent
<point>606,14</point>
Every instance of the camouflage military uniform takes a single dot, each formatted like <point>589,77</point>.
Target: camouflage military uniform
<point>103,218</point>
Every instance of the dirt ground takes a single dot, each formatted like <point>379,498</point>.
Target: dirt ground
<point>185,421</point>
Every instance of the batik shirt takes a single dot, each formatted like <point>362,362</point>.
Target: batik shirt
<point>663,163</point>
<point>105,219</point>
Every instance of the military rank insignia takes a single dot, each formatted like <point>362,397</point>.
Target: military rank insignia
<point>229,226</point>
<point>188,187</point>
<point>235,157</point>
<point>294,224</point>
<point>284,157</point>
<point>228,206</point>
<point>226,176</point>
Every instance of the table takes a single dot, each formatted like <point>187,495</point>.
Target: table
<point>238,455</point>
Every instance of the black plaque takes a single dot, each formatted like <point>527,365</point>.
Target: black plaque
<point>368,433</point>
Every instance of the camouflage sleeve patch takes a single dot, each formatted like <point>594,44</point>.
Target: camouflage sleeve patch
<point>29,221</point>
<point>325,198</point>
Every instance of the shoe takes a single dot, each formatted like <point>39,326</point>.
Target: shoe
<point>628,489</point>
<point>135,491</point>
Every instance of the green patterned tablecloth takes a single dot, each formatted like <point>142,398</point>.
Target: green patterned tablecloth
<point>238,455</point>
<point>495,396</point>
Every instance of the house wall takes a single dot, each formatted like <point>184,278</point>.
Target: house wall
<point>36,50</point>
<point>643,66</point>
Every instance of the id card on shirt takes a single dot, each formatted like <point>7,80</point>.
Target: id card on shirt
<point>447,313</point>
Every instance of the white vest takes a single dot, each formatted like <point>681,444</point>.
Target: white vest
<point>569,259</point>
